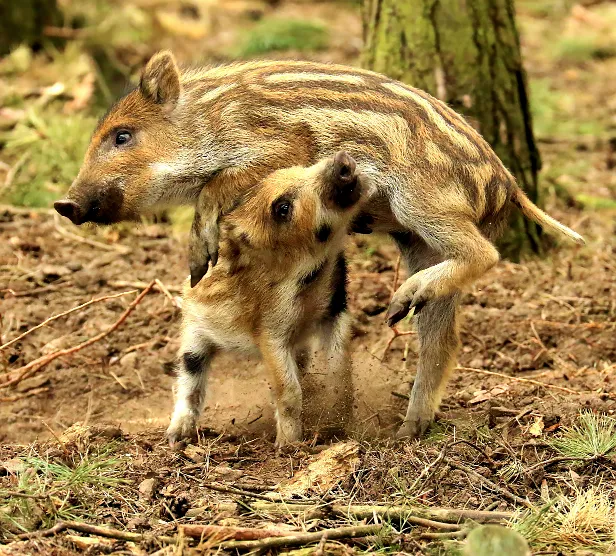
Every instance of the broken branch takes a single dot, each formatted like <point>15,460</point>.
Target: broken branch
<point>518,379</point>
<point>64,314</point>
<point>34,366</point>
<point>359,512</point>
<point>222,532</point>
<point>137,284</point>
<point>304,538</point>
<point>92,530</point>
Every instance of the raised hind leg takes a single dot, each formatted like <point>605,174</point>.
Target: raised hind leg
<point>438,342</point>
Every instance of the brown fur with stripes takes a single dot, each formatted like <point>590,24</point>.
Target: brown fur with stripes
<point>279,285</point>
<point>209,136</point>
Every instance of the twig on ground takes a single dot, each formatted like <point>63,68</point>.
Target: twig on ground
<point>167,293</point>
<point>557,459</point>
<point>400,395</point>
<point>430,469</point>
<point>17,494</point>
<point>304,538</point>
<point>36,291</point>
<point>140,285</point>
<point>431,523</point>
<point>443,536</point>
<point>34,366</point>
<point>588,325</point>
<point>397,334</point>
<point>394,287</point>
<point>505,492</point>
<point>64,314</point>
<point>92,530</point>
<point>359,511</point>
<point>518,379</point>
<point>12,209</point>
<point>321,548</point>
<point>232,490</point>
<point>222,532</point>
<point>29,393</point>
<point>476,448</point>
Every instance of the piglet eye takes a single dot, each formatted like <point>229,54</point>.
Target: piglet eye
<point>122,137</point>
<point>282,209</point>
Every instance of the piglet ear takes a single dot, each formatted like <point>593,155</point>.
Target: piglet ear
<point>160,81</point>
<point>344,167</point>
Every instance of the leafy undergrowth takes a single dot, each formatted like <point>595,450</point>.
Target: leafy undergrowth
<point>280,35</point>
<point>147,498</point>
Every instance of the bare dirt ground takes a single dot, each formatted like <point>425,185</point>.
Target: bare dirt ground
<point>539,346</point>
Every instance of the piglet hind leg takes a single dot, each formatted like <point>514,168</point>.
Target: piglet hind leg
<point>193,365</point>
<point>438,346</point>
<point>284,377</point>
<point>438,338</point>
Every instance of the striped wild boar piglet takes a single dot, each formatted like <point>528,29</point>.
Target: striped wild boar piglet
<point>279,285</point>
<point>205,136</point>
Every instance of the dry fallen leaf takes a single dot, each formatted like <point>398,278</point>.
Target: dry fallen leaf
<point>329,468</point>
<point>545,492</point>
<point>536,429</point>
<point>485,395</point>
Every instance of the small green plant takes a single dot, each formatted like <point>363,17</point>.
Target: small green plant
<point>586,522</point>
<point>48,490</point>
<point>511,471</point>
<point>591,436</point>
<point>279,35</point>
<point>596,203</point>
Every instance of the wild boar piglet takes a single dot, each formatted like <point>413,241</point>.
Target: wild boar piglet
<point>280,284</point>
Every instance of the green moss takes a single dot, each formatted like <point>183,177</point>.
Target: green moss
<point>279,35</point>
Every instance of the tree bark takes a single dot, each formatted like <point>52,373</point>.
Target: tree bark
<point>23,21</point>
<point>466,53</point>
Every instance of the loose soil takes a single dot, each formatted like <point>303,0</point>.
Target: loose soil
<point>551,321</point>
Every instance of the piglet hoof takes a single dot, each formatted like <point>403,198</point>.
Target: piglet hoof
<point>396,312</point>
<point>287,434</point>
<point>181,433</point>
<point>414,428</point>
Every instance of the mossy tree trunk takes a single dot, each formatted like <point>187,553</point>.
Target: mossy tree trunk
<point>467,53</point>
<point>23,22</point>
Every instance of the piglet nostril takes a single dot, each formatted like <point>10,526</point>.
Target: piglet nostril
<point>70,209</point>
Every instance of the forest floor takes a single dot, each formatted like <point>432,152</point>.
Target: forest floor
<point>526,423</point>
